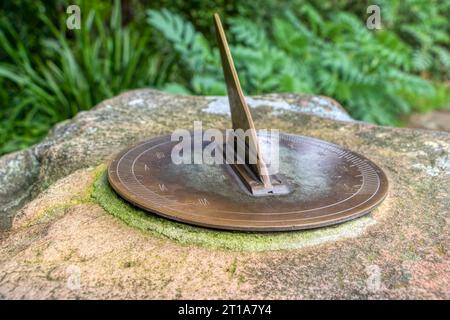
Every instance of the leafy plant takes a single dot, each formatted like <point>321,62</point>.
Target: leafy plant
<point>76,71</point>
<point>48,73</point>
<point>425,26</point>
<point>369,72</point>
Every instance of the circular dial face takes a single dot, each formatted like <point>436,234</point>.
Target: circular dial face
<point>328,185</point>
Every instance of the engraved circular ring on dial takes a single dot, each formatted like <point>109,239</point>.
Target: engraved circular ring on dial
<point>329,185</point>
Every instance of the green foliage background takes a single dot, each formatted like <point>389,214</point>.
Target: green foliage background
<point>49,73</point>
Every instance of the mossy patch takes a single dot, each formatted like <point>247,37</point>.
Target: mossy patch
<point>105,196</point>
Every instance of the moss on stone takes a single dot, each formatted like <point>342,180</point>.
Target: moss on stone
<point>105,196</point>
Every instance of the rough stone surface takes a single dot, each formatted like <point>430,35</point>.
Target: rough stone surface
<point>18,173</point>
<point>433,120</point>
<point>64,244</point>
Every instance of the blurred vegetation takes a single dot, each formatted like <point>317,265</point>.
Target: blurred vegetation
<point>48,73</point>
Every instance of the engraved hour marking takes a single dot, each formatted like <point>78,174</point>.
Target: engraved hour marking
<point>162,187</point>
<point>203,202</point>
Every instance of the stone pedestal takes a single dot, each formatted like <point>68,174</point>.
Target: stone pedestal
<point>67,235</point>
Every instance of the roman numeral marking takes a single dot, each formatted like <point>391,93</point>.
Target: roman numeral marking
<point>163,187</point>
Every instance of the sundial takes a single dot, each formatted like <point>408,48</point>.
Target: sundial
<point>317,183</point>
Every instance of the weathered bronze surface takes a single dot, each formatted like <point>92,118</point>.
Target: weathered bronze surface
<point>318,184</point>
<point>328,185</point>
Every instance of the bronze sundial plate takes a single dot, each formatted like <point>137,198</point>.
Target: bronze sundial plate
<point>317,184</point>
<point>328,184</point>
